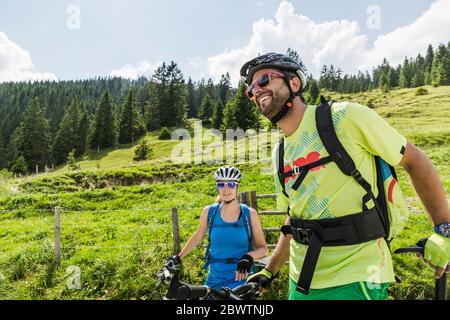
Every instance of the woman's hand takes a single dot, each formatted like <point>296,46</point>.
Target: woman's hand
<point>243,267</point>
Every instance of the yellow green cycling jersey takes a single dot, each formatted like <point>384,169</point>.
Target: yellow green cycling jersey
<point>326,192</point>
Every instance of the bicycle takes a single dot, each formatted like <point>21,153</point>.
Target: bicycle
<point>179,290</point>
<point>440,285</point>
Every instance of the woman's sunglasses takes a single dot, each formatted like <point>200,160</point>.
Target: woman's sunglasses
<point>230,184</point>
<point>262,82</point>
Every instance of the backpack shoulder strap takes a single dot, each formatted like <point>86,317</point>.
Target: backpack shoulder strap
<point>327,133</point>
<point>279,158</point>
<point>211,214</point>
<point>247,220</point>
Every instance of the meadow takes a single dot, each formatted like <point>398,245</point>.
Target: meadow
<point>116,228</point>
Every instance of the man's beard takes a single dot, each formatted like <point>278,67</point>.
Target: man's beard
<point>273,104</point>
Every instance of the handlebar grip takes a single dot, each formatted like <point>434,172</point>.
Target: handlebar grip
<point>440,290</point>
<point>251,286</point>
<point>187,291</point>
<point>166,274</point>
<point>418,248</point>
<point>410,249</point>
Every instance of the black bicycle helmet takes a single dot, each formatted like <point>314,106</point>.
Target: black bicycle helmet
<point>280,62</point>
<point>276,61</point>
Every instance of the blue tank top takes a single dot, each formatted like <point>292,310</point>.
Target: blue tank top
<point>227,240</point>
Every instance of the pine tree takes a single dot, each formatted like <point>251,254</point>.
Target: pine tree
<point>190,99</point>
<point>224,88</point>
<point>418,72</point>
<point>201,93</point>
<point>71,161</point>
<point>34,142</point>
<point>247,115</point>
<point>429,58</point>
<point>19,166</point>
<point>83,131</point>
<point>313,91</point>
<point>217,117</point>
<point>160,90</point>
<point>206,110</point>
<point>211,89</point>
<point>229,116</point>
<point>104,135</point>
<point>406,74</point>
<point>440,72</point>
<point>143,151</point>
<point>151,111</point>
<point>68,135</point>
<point>324,82</point>
<point>2,153</point>
<point>176,109</point>
<point>131,122</point>
<point>291,53</point>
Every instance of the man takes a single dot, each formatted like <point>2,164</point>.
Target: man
<point>360,268</point>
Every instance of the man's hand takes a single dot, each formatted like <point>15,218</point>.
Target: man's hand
<point>437,254</point>
<point>263,278</point>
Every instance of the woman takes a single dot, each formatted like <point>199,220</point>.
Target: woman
<point>235,235</point>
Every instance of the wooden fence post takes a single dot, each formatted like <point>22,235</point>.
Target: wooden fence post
<point>176,231</point>
<point>57,236</point>
<point>253,200</point>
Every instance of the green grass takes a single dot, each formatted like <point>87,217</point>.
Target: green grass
<point>116,213</point>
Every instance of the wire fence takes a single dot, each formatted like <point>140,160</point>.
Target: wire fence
<point>98,229</point>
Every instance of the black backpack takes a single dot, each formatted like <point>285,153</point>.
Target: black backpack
<point>367,225</point>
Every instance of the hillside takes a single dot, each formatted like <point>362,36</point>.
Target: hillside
<point>116,225</point>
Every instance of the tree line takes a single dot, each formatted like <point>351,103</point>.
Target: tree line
<point>42,123</point>
<point>431,69</point>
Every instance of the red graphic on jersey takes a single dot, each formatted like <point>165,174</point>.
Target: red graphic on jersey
<point>391,190</point>
<point>299,162</point>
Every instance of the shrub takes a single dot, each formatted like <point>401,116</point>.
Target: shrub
<point>5,174</point>
<point>421,91</point>
<point>19,166</point>
<point>371,104</point>
<point>71,162</point>
<point>164,134</point>
<point>143,151</point>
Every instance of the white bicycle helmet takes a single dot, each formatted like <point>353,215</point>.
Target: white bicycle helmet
<point>227,173</point>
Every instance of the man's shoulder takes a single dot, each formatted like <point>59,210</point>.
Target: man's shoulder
<point>348,106</point>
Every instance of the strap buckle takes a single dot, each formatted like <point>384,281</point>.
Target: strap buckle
<point>296,170</point>
<point>357,175</point>
<point>302,235</point>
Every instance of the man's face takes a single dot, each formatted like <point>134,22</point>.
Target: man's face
<point>271,98</point>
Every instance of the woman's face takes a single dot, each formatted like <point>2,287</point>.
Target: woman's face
<point>227,192</point>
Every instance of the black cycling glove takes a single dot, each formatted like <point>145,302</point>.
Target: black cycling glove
<point>245,264</point>
<point>263,278</point>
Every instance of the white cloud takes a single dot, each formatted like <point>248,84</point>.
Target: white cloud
<point>16,64</point>
<point>145,68</point>
<point>195,62</point>
<point>338,42</point>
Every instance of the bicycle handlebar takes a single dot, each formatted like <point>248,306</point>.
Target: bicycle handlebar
<point>440,285</point>
<point>188,291</point>
<point>184,291</point>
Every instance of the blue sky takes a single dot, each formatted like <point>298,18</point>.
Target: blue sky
<point>129,38</point>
